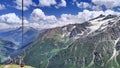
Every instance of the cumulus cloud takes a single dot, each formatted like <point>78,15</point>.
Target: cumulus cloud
<point>38,16</point>
<point>62,4</point>
<point>4,26</point>
<point>2,6</point>
<point>107,3</point>
<point>86,5</point>
<point>83,5</point>
<point>10,20</point>
<point>27,4</point>
<point>79,18</point>
<point>97,4</point>
<point>42,3</point>
<point>96,8</point>
<point>84,16</point>
<point>107,12</point>
<point>47,2</point>
<point>40,20</point>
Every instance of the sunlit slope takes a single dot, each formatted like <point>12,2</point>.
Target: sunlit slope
<point>14,66</point>
<point>78,46</point>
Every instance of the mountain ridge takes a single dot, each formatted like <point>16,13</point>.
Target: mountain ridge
<point>78,45</point>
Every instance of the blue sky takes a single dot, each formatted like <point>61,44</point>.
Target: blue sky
<point>59,10</point>
<point>50,10</point>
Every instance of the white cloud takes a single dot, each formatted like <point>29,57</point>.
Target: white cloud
<point>40,20</point>
<point>96,8</point>
<point>107,3</point>
<point>97,4</point>
<point>107,12</point>
<point>83,5</point>
<point>85,16</point>
<point>4,26</point>
<point>38,16</point>
<point>62,4</point>
<point>27,4</point>
<point>47,2</point>
<point>86,5</point>
<point>2,6</point>
<point>42,3</point>
<point>10,20</point>
<point>79,18</point>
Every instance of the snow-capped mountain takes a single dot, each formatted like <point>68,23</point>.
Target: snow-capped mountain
<point>92,44</point>
<point>92,26</point>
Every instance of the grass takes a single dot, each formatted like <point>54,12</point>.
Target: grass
<point>14,66</point>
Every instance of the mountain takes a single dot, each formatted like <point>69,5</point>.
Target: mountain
<point>10,41</point>
<point>6,48</point>
<point>92,44</point>
<point>15,35</point>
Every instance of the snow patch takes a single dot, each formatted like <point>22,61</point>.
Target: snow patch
<point>97,25</point>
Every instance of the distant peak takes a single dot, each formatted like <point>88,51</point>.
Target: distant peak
<point>101,15</point>
<point>110,16</point>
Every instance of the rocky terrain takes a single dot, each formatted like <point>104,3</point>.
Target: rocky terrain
<point>92,44</point>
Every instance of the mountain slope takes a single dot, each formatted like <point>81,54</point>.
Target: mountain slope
<point>15,35</point>
<point>10,41</point>
<point>6,49</point>
<point>14,66</point>
<point>92,44</point>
